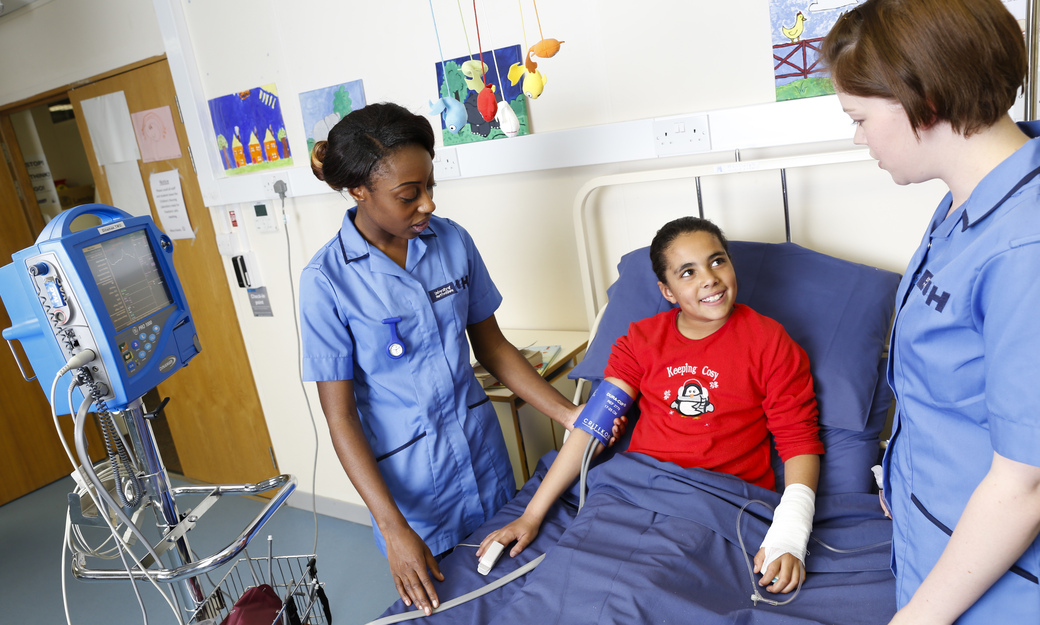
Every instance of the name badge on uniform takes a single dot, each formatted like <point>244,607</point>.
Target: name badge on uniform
<point>442,291</point>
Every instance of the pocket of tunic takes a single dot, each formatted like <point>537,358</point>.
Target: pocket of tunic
<point>1017,570</point>
<point>401,448</point>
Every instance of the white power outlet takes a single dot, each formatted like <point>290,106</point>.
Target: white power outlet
<point>682,134</point>
<point>446,164</point>
<point>269,181</point>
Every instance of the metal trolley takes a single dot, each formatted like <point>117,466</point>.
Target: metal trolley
<point>293,578</point>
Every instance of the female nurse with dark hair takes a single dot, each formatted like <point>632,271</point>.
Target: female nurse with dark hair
<point>928,84</point>
<point>387,306</point>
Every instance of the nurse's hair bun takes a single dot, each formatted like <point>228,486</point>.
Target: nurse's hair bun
<point>317,158</point>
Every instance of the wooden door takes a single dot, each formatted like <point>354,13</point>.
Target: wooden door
<point>214,413</point>
<point>31,454</point>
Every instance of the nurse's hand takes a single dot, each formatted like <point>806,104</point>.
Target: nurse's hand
<point>410,564</point>
<point>787,570</point>
<point>523,531</point>
<point>620,424</point>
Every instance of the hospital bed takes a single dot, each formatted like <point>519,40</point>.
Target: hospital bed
<point>655,543</point>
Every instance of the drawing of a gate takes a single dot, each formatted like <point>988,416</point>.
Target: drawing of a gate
<point>797,60</point>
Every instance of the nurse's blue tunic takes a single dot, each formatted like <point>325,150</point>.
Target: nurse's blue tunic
<point>965,369</point>
<point>433,431</point>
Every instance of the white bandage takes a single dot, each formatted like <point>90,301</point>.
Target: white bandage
<point>792,524</point>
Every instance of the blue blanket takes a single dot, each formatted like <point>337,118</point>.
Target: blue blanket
<point>658,544</point>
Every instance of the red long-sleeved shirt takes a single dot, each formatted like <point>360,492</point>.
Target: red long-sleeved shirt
<point>712,402</point>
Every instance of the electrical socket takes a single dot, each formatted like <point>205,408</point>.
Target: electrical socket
<point>446,164</point>
<point>682,134</point>
<point>268,182</point>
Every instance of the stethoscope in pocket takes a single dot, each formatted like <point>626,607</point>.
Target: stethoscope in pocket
<point>395,347</point>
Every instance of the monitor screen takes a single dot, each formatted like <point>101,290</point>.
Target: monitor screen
<point>129,278</point>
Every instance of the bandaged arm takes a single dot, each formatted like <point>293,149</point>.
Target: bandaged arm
<point>793,517</point>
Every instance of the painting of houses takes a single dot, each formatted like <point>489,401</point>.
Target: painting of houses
<point>250,130</point>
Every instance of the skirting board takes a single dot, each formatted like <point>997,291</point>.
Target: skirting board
<point>343,510</point>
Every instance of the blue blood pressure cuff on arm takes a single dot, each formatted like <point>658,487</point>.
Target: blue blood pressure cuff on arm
<point>605,405</point>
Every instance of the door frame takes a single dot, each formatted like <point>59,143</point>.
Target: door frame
<point>13,153</point>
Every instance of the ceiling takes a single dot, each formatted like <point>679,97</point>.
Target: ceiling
<point>8,7</point>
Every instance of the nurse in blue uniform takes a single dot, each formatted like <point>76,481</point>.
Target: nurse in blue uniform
<point>929,84</point>
<point>386,307</point>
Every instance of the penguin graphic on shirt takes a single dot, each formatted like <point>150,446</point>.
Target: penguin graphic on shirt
<point>692,400</point>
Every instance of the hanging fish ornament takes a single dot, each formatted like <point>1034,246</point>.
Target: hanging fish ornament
<point>507,120</point>
<point>546,48</point>
<point>472,70</point>
<point>534,80</point>
<point>454,113</point>
<point>486,102</point>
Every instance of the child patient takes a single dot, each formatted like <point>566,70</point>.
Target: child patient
<point>715,379</point>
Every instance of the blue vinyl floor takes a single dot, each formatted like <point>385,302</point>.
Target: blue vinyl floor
<point>356,575</point>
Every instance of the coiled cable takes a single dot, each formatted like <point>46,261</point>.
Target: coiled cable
<point>117,454</point>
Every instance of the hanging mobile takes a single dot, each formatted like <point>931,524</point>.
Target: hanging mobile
<point>487,103</point>
<point>395,347</point>
<point>453,111</point>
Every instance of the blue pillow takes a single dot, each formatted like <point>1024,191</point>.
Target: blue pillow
<point>838,311</point>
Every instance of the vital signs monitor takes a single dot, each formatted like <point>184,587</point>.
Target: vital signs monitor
<point>109,287</point>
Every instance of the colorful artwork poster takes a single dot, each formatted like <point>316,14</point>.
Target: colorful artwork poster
<point>156,134</point>
<point>798,28</point>
<point>460,79</point>
<point>323,108</point>
<point>250,130</point>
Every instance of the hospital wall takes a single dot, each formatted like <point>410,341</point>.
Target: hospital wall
<point>621,61</point>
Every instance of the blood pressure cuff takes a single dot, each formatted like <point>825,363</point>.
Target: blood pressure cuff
<point>606,404</point>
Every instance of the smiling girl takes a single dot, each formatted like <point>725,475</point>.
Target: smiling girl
<point>714,379</point>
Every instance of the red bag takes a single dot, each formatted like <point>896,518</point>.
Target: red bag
<point>259,605</point>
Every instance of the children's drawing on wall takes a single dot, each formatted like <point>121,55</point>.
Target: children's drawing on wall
<point>798,28</point>
<point>250,130</point>
<point>461,82</point>
<point>323,108</point>
<point>156,134</point>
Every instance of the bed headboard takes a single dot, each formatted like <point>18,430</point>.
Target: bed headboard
<point>596,271</point>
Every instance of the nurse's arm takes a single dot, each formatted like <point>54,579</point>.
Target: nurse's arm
<point>408,555</point>
<point>504,361</point>
<point>562,472</point>
<point>1001,520</point>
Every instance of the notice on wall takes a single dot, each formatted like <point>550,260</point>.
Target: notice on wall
<point>111,131</point>
<point>169,203</point>
<point>259,301</point>
<point>127,188</point>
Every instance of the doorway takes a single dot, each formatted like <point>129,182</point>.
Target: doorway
<point>216,431</point>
